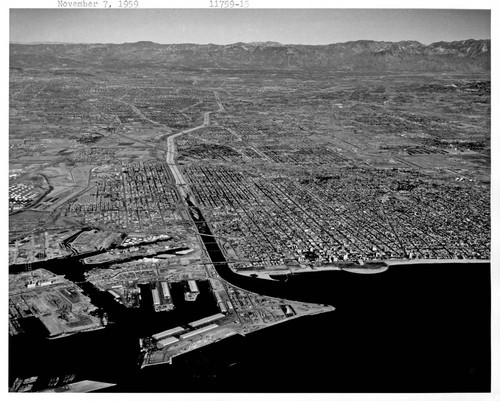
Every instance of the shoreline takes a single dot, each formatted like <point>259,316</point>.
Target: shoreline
<point>404,262</point>
<point>367,268</point>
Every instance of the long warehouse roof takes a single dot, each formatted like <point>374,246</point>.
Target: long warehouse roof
<point>165,289</point>
<point>169,332</point>
<point>193,287</point>
<point>199,331</point>
<point>167,341</point>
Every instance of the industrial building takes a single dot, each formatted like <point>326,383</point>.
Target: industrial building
<point>166,341</point>
<point>161,302</point>
<point>222,307</point>
<point>156,296</point>
<point>167,333</point>
<point>165,289</point>
<point>198,331</point>
<point>193,287</point>
<point>217,296</point>
<point>206,320</point>
<point>220,302</point>
<point>193,292</point>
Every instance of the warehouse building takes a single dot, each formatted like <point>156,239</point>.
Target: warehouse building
<point>198,331</point>
<point>156,296</point>
<point>166,341</point>
<point>167,333</point>
<point>165,289</point>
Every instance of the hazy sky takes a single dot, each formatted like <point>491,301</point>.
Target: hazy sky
<point>304,26</point>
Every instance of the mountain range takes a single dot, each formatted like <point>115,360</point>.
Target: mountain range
<point>362,55</point>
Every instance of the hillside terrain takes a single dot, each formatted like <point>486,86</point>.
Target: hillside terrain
<point>362,55</point>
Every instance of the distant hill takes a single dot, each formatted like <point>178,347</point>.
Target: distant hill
<point>361,55</point>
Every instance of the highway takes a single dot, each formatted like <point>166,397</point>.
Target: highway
<point>171,153</point>
<point>171,150</point>
<point>221,107</point>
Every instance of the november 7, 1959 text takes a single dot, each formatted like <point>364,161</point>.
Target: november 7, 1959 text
<point>98,4</point>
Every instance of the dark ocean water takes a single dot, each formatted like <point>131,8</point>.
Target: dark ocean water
<point>411,329</point>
